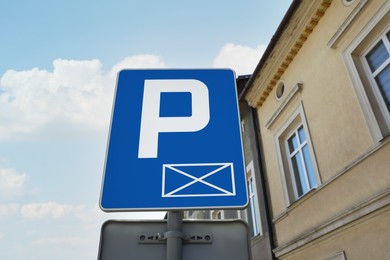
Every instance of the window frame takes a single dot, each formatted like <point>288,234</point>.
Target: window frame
<point>252,214</point>
<point>253,200</point>
<point>384,37</point>
<point>377,121</point>
<point>295,121</point>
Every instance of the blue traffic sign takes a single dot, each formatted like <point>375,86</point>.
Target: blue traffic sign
<point>175,142</point>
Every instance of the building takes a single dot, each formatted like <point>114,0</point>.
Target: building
<point>321,94</point>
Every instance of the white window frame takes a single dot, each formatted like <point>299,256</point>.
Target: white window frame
<point>377,119</point>
<point>255,225</point>
<point>253,200</point>
<point>371,75</point>
<point>295,121</point>
<point>300,152</point>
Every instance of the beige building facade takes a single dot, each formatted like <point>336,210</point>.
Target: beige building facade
<point>322,95</point>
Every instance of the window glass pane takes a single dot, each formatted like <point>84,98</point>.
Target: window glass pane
<point>293,143</point>
<point>250,219</point>
<point>383,81</point>
<point>302,136</point>
<point>299,174</point>
<point>309,167</point>
<point>253,205</point>
<point>377,56</point>
<point>251,186</point>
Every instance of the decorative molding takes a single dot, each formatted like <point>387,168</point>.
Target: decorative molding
<point>297,88</point>
<point>257,96</point>
<point>344,26</point>
<point>355,213</point>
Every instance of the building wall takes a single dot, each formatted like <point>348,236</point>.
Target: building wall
<point>260,243</point>
<point>366,239</point>
<point>350,205</point>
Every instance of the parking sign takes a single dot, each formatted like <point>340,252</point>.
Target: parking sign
<point>174,142</point>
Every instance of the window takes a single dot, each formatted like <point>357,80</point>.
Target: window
<point>279,90</point>
<point>368,62</point>
<point>347,2</point>
<point>301,166</point>
<point>252,212</point>
<point>296,157</point>
<point>377,64</point>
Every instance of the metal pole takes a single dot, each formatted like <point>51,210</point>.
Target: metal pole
<point>174,235</point>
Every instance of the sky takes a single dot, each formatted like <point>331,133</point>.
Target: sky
<point>58,66</point>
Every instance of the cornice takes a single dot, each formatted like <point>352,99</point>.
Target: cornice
<point>294,35</point>
<point>345,220</point>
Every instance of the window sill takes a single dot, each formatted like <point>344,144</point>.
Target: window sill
<point>257,239</point>
<point>295,204</point>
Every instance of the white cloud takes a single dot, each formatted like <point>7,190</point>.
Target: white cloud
<point>7,210</point>
<point>35,211</point>
<point>75,96</point>
<point>138,61</point>
<point>57,229</point>
<point>242,59</point>
<point>11,183</point>
<point>73,93</point>
<point>61,241</point>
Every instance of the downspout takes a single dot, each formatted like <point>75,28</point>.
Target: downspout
<point>260,156</point>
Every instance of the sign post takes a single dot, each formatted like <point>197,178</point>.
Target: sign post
<point>174,239</point>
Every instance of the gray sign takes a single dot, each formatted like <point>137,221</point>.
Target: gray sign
<point>206,239</point>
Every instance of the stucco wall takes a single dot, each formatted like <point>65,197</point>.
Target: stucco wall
<point>353,167</point>
<point>367,239</point>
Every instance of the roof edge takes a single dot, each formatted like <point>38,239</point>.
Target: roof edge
<point>291,10</point>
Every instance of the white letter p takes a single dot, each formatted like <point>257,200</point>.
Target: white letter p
<point>151,122</point>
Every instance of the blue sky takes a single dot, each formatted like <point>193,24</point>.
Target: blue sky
<point>58,64</point>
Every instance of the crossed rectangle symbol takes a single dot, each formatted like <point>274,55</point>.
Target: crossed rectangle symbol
<point>198,180</point>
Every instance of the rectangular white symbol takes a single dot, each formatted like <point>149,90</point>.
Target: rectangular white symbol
<point>198,180</point>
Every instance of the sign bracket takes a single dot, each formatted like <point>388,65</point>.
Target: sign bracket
<point>161,238</point>
<point>174,237</point>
